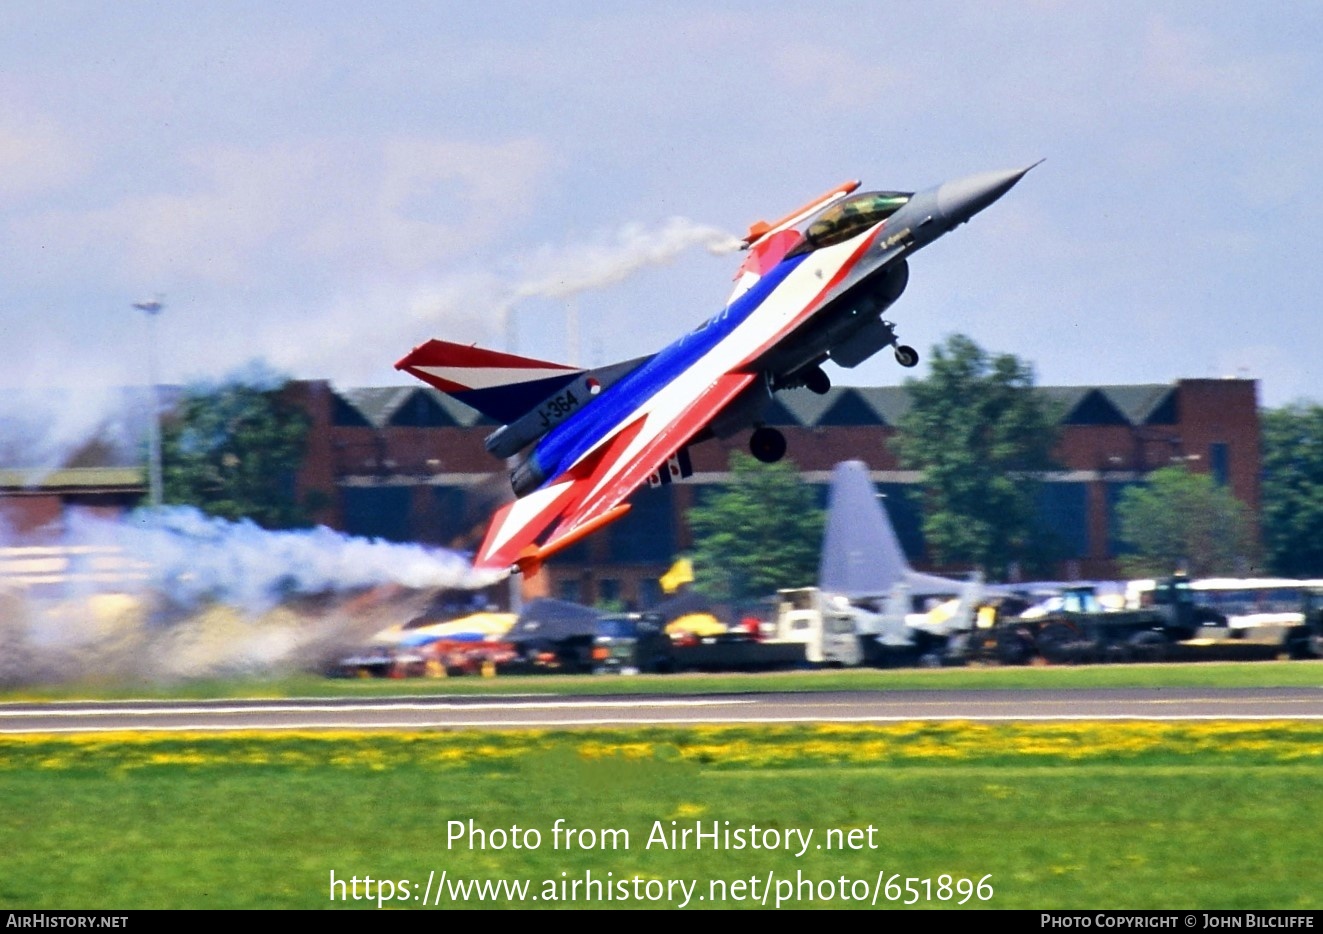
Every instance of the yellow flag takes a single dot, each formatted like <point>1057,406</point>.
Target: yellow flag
<point>682,572</point>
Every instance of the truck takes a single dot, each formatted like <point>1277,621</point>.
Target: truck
<point>629,643</point>
<point>1163,619</point>
<point>840,632</point>
<point>1305,639</point>
<point>1076,628</point>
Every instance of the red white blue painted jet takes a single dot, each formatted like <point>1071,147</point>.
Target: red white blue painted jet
<point>812,288</point>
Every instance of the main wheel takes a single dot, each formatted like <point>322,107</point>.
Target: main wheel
<point>906,355</point>
<point>817,382</point>
<point>767,444</point>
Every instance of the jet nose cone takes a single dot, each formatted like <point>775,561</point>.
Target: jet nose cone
<point>961,199</point>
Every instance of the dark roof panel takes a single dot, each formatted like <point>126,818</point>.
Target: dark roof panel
<point>891,403</point>
<point>421,410</point>
<point>777,414</point>
<point>806,407</point>
<point>376,404</point>
<point>1094,408</point>
<point>848,408</point>
<point>1141,403</point>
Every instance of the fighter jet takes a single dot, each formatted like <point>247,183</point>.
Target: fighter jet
<point>813,287</point>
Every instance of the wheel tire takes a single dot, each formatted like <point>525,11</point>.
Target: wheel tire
<point>817,381</point>
<point>1061,644</point>
<point>907,356</point>
<point>1301,644</point>
<point>1014,646</point>
<point>767,445</point>
<point>1148,646</point>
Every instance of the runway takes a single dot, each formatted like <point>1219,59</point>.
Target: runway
<point>557,712</point>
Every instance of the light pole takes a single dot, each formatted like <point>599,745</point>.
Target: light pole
<point>153,308</point>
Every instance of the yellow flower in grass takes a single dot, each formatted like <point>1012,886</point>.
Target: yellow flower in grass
<point>932,749</point>
<point>635,751</point>
<point>179,758</point>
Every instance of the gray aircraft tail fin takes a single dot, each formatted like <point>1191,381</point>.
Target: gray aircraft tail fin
<point>861,555</point>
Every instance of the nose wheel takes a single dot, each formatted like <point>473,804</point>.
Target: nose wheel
<point>906,355</point>
<point>767,444</point>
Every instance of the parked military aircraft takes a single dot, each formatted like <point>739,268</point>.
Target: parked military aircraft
<point>812,288</point>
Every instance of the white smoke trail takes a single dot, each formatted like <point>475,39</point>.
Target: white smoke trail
<point>172,593</point>
<point>195,558</point>
<point>562,272</point>
<point>126,638</point>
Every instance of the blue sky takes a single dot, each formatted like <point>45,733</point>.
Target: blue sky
<point>325,185</point>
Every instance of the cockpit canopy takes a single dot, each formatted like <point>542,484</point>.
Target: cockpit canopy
<point>853,215</point>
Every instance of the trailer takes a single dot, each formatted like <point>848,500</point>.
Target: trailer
<point>737,651</point>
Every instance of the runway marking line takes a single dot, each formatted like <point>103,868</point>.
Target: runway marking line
<point>680,721</point>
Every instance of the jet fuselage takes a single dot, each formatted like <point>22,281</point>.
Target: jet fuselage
<point>819,301</point>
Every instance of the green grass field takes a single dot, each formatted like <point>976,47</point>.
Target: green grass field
<point>1103,815</point>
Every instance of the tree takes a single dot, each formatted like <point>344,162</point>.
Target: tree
<point>980,435</point>
<point>760,533</point>
<point>233,451</point>
<point>1292,506</point>
<point>1183,521</point>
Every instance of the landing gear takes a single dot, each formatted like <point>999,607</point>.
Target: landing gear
<point>906,355</point>
<point>817,381</point>
<point>767,444</point>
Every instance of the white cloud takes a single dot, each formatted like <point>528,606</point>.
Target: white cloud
<point>837,77</point>
<point>1190,62</point>
<point>249,217</point>
<point>438,195</point>
<point>36,156</point>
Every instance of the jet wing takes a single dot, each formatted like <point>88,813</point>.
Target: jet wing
<point>591,493</point>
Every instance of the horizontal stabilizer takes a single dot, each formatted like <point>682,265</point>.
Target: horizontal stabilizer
<point>502,386</point>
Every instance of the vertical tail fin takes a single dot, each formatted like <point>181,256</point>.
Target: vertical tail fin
<point>502,386</point>
<point>861,555</point>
